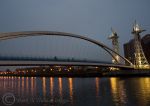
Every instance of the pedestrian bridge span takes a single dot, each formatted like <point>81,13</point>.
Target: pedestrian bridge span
<point>12,35</point>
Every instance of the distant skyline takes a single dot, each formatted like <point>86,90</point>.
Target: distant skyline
<point>92,18</point>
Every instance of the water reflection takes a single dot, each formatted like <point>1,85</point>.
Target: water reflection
<point>33,85</point>
<point>97,86</point>
<point>60,86</point>
<point>71,89</point>
<point>51,86</point>
<point>19,87</point>
<point>12,82</point>
<point>118,91</point>
<point>96,91</point>
<point>4,83</point>
<point>44,86</point>
<point>27,85</point>
<point>22,86</point>
<point>143,91</point>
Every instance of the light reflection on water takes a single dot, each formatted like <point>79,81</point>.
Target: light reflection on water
<point>118,91</point>
<point>51,86</point>
<point>80,91</point>
<point>44,86</point>
<point>60,86</point>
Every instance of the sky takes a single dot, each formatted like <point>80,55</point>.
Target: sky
<point>91,18</point>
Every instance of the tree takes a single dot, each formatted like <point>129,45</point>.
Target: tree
<point>55,58</point>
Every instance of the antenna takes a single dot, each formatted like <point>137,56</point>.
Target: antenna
<point>136,28</point>
<point>113,34</point>
<point>113,31</point>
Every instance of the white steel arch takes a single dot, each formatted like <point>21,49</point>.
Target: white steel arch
<point>11,35</point>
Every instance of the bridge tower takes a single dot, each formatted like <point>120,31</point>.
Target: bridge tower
<point>115,44</point>
<point>140,59</point>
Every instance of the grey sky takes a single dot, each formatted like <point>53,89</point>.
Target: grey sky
<point>93,18</point>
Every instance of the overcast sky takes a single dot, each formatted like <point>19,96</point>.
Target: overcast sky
<point>92,18</point>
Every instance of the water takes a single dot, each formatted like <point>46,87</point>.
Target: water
<point>53,91</point>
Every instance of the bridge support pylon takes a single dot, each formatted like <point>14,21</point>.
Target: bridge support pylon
<point>140,59</point>
<point>114,37</point>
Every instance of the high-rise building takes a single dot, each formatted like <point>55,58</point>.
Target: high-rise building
<point>129,50</point>
<point>146,46</point>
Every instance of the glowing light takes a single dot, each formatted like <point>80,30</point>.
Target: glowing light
<point>51,86</point>
<point>27,85</point>
<point>22,85</point>
<point>113,69</point>
<point>71,88</point>
<point>44,86</point>
<point>97,85</point>
<point>96,67</point>
<point>113,84</point>
<point>60,86</point>
<point>59,69</point>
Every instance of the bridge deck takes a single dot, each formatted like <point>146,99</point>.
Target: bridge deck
<point>46,63</point>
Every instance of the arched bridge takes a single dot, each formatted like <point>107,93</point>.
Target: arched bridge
<point>12,35</point>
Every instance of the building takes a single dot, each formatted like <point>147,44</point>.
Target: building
<point>129,49</point>
<point>146,46</point>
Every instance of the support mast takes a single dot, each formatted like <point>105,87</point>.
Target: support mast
<point>140,59</point>
<point>115,44</point>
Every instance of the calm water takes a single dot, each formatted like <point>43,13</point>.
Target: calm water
<point>33,91</point>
